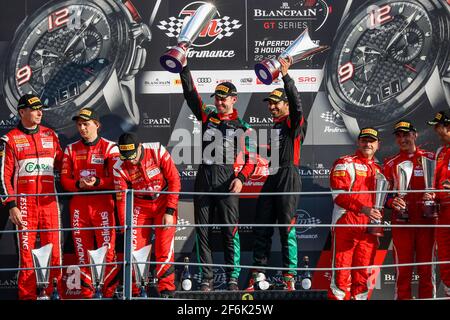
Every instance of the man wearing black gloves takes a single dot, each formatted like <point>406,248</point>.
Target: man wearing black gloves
<point>286,109</point>
<point>225,140</point>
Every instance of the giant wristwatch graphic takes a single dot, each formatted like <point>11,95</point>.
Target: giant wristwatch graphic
<point>78,53</point>
<point>389,60</point>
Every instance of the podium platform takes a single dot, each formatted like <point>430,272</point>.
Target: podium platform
<point>254,295</point>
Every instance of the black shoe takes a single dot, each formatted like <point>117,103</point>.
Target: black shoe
<point>207,285</point>
<point>167,294</point>
<point>233,285</point>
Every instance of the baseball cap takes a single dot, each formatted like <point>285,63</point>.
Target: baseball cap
<point>86,114</point>
<point>128,144</point>
<point>277,95</point>
<point>30,101</point>
<point>225,89</point>
<point>369,132</point>
<point>404,126</point>
<point>440,117</point>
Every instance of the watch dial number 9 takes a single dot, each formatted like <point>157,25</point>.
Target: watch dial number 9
<point>346,72</point>
<point>23,75</point>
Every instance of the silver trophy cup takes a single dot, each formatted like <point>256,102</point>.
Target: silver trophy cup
<point>381,185</point>
<point>174,59</point>
<point>141,268</point>
<point>41,259</point>
<point>269,69</point>
<point>403,178</point>
<point>430,207</point>
<point>97,258</point>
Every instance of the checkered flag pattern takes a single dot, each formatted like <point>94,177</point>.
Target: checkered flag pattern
<point>183,222</point>
<point>329,116</point>
<point>173,26</point>
<point>226,25</point>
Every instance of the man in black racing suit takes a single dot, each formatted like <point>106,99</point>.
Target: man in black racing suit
<point>286,109</point>
<point>221,129</point>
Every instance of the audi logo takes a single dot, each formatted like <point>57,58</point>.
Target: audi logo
<point>204,80</point>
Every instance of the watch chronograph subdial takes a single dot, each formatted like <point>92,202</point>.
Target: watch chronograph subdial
<point>86,49</point>
<point>409,46</point>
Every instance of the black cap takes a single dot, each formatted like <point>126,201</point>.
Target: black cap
<point>369,132</point>
<point>225,89</point>
<point>404,126</point>
<point>440,117</point>
<point>30,101</point>
<point>277,95</point>
<point>128,144</point>
<point>86,114</point>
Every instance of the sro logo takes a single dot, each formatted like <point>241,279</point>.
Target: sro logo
<point>204,80</point>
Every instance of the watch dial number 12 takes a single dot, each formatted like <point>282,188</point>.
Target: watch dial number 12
<point>57,19</point>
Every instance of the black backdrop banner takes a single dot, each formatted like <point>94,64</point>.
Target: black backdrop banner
<point>355,83</point>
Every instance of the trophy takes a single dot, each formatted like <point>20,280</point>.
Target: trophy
<point>404,174</point>
<point>174,59</point>
<point>97,258</point>
<point>430,208</point>
<point>381,185</point>
<point>141,268</point>
<point>41,260</point>
<point>302,47</point>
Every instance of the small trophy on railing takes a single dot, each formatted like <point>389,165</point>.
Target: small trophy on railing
<point>41,260</point>
<point>380,197</point>
<point>97,258</point>
<point>269,69</point>
<point>430,207</point>
<point>174,59</point>
<point>141,268</point>
<point>403,177</point>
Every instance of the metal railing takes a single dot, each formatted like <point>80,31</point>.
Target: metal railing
<point>129,226</point>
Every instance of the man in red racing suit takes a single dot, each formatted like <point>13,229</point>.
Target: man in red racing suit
<point>441,123</point>
<point>87,166</point>
<point>354,246</point>
<point>29,155</point>
<point>149,167</point>
<point>410,242</point>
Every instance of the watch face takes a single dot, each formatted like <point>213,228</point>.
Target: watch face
<point>382,59</point>
<point>64,55</point>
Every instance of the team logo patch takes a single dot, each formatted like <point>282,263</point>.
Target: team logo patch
<point>222,88</point>
<point>127,147</point>
<point>85,112</point>
<point>47,143</point>
<point>276,93</point>
<point>85,173</point>
<point>418,173</point>
<point>153,172</point>
<point>97,159</point>
<point>34,100</point>
<point>402,124</point>
<point>340,167</point>
<point>361,167</point>
<point>370,131</point>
